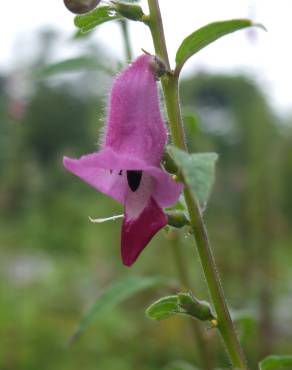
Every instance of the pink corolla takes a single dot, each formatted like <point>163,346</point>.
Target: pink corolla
<point>127,168</point>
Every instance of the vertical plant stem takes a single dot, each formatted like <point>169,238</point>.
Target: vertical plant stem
<point>126,38</point>
<point>171,95</point>
<point>182,270</point>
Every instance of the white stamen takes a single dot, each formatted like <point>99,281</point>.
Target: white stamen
<point>101,220</point>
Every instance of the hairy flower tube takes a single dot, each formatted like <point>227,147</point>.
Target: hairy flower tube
<point>127,168</point>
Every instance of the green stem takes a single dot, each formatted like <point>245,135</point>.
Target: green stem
<point>225,324</point>
<point>182,270</point>
<point>171,96</point>
<point>126,38</point>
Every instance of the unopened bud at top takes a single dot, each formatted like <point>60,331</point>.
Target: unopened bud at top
<point>81,6</point>
<point>159,66</point>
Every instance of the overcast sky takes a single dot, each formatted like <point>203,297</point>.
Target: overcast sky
<point>266,58</point>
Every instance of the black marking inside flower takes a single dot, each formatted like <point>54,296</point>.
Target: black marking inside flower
<point>134,179</point>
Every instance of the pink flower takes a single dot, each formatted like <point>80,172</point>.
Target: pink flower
<point>127,168</point>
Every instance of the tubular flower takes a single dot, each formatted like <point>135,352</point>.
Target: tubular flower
<point>127,168</point>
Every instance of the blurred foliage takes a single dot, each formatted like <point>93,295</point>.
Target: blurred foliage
<point>54,263</point>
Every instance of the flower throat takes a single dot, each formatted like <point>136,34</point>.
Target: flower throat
<point>134,179</point>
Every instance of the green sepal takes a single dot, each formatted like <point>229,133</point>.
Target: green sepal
<point>169,163</point>
<point>130,11</point>
<point>192,306</point>
<point>177,219</point>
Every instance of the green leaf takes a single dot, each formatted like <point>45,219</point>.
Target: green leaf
<point>180,365</point>
<point>113,295</point>
<point>191,121</point>
<point>276,363</point>
<point>163,308</point>
<point>198,171</point>
<point>205,36</point>
<point>72,65</point>
<point>87,22</point>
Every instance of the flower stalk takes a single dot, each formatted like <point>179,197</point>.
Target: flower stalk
<point>171,95</point>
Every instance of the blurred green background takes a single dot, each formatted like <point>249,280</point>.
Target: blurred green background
<point>55,263</point>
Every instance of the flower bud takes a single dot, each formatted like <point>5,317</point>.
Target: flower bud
<point>130,11</point>
<point>158,66</point>
<point>81,6</point>
<point>201,310</point>
<point>169,164</point>
<point>177,219</point>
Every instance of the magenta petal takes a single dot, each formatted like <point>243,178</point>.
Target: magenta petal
<point>136,233</point>
<point>135,127</point>
<point>166,191</point>
<point>104,180</point>
<point>108,158</point>
<point>101,169</point>
<point>135,136</point>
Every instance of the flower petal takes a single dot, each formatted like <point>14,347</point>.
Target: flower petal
<point>109,159</point>
<point>166,191</point>
<point>137,232</point>
<point>101,170</point>
<point>108,181</point>
<point>135,127</point>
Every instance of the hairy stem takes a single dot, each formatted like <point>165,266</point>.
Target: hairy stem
<point>182,270</point>
<point>171,96</point>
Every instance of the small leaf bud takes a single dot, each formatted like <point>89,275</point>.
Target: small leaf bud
<point>201,310</point>
<point>177,219</point>
<point>129,11</point>
<point>159,66</point>
<point>169,164</point>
